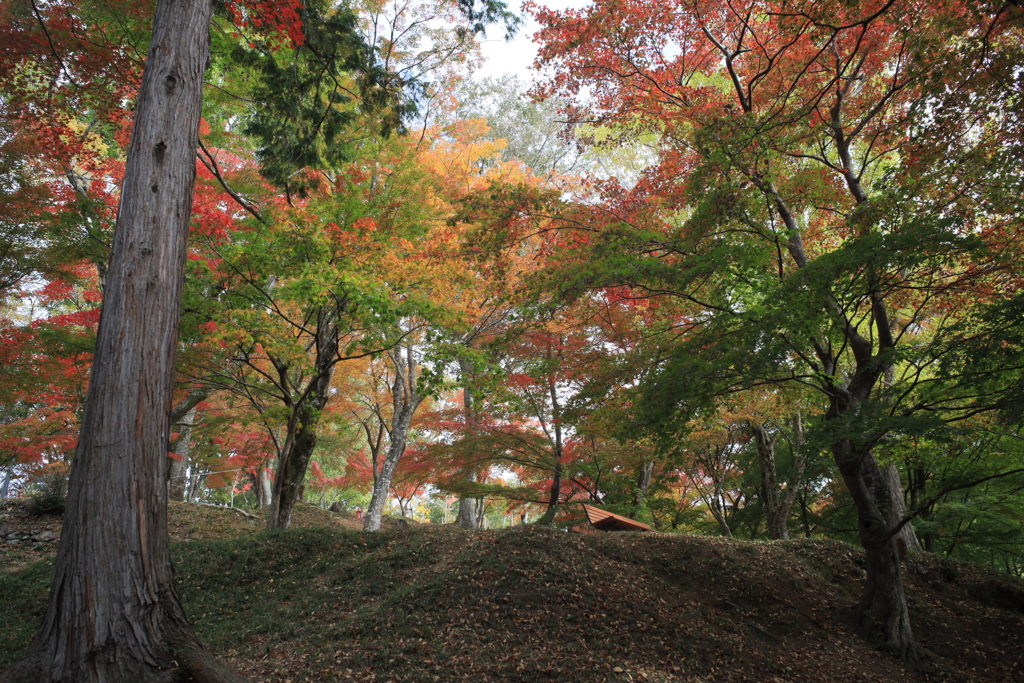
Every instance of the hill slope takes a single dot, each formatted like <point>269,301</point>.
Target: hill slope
<point>528,604</point>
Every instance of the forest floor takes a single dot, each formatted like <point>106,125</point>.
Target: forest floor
<point>327,602</point>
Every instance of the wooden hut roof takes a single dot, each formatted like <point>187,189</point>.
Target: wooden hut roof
<point>609,521</point>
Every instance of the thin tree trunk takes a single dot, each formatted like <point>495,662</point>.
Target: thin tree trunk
<point>773,512</point>
<point>796,481</point>
<point>643,483</point>
<point>381,489</point>
<point>718,510</point>
<point>113,613</point>
<point>405,400</point>
<point>6,486</point>
<point>264,487</point>
<point>548,518</point>
<point>178,473</point>
<point>467,517</point>
<point>779,504</point>
<point>918,485</point>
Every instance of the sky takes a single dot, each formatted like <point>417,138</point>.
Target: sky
<point>502,57</point>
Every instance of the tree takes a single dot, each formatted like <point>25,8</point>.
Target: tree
<point>114,613</point>
<point>797,179</point>
<point>406,396</point>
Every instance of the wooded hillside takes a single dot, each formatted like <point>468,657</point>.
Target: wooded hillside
<point>746,269</point>
<point>322,603</point>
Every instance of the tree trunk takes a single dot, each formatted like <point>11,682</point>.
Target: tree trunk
<point>906,539</point>
<point>178,473</point>
<point>291,467</point>
<point>643,484</point>
<point>113,613</point>
<point>264,487</point>
<point>6,486</point>
<point>779,504</point>
<point>302,428</point>
<point>405,400</point>
<point>467,517</point>
<point>774,515</point>
<point>382,487</point>
<point>548,518</point>
<point>882,615</point>
<point>917,486</point>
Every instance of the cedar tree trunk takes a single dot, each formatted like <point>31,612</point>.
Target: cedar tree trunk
<point>114,614</point>
<point>467,517</point>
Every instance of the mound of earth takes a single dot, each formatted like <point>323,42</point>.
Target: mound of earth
<point>527,604</point>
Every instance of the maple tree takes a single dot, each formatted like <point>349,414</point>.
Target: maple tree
<point>797,176</point>
<point>801,234</point>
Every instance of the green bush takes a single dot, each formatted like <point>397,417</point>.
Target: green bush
<point>49,494</point>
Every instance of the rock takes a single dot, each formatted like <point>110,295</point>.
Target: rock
<point>44,536</point>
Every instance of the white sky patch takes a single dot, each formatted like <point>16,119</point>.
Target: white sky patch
<point>516,57</point>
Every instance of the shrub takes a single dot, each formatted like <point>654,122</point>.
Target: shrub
<point>49,493</point>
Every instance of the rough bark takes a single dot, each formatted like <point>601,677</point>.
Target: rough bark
<point>405,400</point>
<point>178,471</point>
<point>113,613</point>
<point>882,615</point>
<point>294,460</point>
